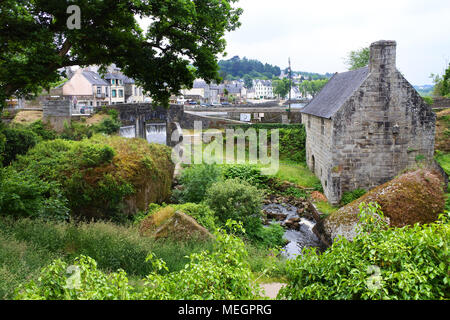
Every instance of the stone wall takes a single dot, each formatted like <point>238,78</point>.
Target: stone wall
<point>56,113</point>
<point>382,130</point>
<point>319,146</point>
<point>441,103</point>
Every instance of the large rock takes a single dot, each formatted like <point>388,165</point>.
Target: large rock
<point>168,223</point>
<point>414,197</point>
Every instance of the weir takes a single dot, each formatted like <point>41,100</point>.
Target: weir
<point>128,132</point>
<point>156,133</point>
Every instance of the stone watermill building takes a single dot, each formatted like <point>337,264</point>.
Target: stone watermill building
<point>366,126</point>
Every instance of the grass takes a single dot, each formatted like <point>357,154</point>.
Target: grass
<point>27,245</point>
<point>297,173</point>
<point>325,208</point>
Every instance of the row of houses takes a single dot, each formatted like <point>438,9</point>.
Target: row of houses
<point>234,91</point>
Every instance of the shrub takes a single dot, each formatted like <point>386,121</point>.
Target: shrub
<point>248,173</point>
<point>270,236</point>
<point>86,282</point>
<point>428,100</point>
<point>43,131</point>
<point>18,141</point>
<point>236,200</point>
<point>22,194</point>
<point>109,125</point>
<point>96,175</point>
<point>195,181</point>
<point>380,263</point>
<point>351,196</point>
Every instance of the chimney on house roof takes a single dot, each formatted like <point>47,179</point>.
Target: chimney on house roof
<point>383,56</point>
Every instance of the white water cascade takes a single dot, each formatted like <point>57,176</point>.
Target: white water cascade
<point>128,132</point>
<point>156,133</point>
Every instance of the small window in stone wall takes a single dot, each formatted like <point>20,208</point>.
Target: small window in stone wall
<point>326,183</point>
<point>322,128</point>
<point>309,122</point>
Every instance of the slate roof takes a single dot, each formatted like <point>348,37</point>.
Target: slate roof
<point>94,78</point>
<point>335,93</point>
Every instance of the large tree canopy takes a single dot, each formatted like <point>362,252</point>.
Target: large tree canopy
<point>35,41</point>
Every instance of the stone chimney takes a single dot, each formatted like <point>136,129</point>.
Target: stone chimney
<point>382,56</point>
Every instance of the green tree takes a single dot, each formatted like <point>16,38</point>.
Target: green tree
<point>312,87</point>
<point>358,58</point>
<point>281,87</point>
<point>36,41</point>
<point>248,82</point>
<point>441,83</point>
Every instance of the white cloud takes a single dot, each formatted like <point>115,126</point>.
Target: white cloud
<point>317,35</point>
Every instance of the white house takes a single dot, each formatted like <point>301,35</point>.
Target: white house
<point>263,89</point>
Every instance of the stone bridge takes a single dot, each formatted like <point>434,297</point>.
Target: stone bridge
<point>144,120</point>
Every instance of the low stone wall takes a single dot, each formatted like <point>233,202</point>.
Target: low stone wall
<point>56,113</point>
<point>441,103</point>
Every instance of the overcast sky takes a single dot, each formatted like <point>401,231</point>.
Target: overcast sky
<point>318,34</point>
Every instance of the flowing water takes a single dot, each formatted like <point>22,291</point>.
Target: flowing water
<point>298,239</point>
<point>128,132</point>
<point>156,133</point>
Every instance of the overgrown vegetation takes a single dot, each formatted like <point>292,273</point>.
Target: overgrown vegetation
<point>351,196</point>
<point>221,273</point>
<point>380,263</point>
<point>92,177</point>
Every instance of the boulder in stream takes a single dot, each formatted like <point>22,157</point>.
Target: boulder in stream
<point>413,197</point>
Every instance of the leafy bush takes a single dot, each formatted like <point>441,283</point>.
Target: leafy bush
<point>351,196</point>
<point>22,194</point>
<point>428,100</point>
<point>43,131</point>
<point>96,175</point>
<point>270,236</point>
<point>292,138</point>
<point>380,263</point>
<point>18,141</point>
<point>86,282</point>
<point>236,200</point>
<point>248,173</point>
<point>195,180</point>
<point>109,125</point>
<point>223,274</point>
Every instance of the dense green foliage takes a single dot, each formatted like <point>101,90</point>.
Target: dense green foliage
<point>36,42</point>
<point>441,83</point>
<point>92,177</point>
<point>380,263</point>
<point>222,273</point>
<point>292,139</point>
<point>80,130</point>
<point>248,173</point>
<point>351,196</point>
<point>195,180</point>
<point>236,200</point>
<point>358,58</point>
<point>23,194</point>
<point>282,87</point>
<point>18,141</point>
<point>27,245</point>
<point>237,68</point>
